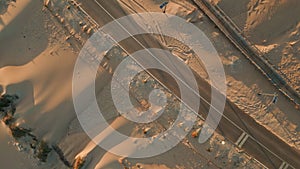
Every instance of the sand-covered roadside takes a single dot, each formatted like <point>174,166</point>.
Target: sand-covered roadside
<point>273,26</point>
<point>244,82</point>
<point>36,50</point>
<point>40,49</point>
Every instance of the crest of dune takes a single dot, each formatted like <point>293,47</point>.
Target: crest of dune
<point>263,20</point>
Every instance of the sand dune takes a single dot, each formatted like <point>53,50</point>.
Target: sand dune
<point>272,24</point>
<point>263,20</point>
<point>37,61</point>
<point>28,59</point>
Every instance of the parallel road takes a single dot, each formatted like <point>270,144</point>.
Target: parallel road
<point>235,125</point>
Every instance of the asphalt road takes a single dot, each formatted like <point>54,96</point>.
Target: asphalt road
<point>232,112</point>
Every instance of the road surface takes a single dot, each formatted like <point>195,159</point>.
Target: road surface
<point>262,144</point>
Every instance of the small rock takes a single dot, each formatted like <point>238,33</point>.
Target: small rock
<point>62,20</point>
<point>145,104</point>
<point>146,130</point>
<point>79,162</point>
<point>81,23</point>
<point>139,166</point>
<point>89,31</point>
<point>46,3</point>
<point>85,28</point>
<point>67,37</point>
<point>264,41</point>
<point>195,133</point>
<point>120,160</point>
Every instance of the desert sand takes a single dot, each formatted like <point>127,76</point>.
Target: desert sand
<point>273,26</point>
<point>47,46</point>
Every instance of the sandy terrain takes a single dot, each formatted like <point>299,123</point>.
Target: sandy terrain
<point>274,27</point>
<point>244,82</point>
<point>47,46</point>
<point>31,51</point>
<point>12,158</point>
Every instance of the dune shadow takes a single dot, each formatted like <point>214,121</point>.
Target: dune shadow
<point>24,90</point>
